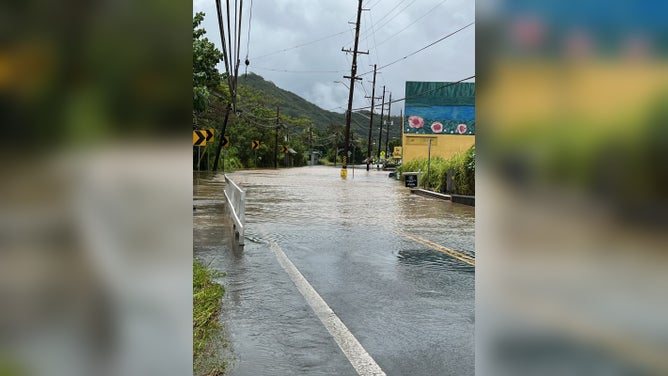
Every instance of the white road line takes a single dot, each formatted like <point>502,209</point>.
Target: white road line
<point>353,350</point>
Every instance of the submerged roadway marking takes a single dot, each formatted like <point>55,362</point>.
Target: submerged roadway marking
<point>353,350</point>
<point>463,257</point>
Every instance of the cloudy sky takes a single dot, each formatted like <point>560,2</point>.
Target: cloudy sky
<point>297,45</point>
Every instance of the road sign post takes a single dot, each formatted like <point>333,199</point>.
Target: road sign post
<point>411,179</point>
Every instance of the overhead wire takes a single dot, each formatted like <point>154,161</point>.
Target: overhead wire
<point>250,17</point>
<point>300,45</point>
<point>395,16</point>
<point>377,54</point>
<point>412,23</point>
<point>243,116</point>
<point>298,71</point>
<point>377,25</point>
<point>423,48</point>
<point>221,29</point>
<point>229,41</point>
<point>372,5</point>
<point>238,35</point>
<point>392,10</point>
<point>422,93</point>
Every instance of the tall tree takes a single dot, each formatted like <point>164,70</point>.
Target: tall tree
<point>206,57</point>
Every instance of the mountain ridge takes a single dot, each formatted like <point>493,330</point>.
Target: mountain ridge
<point>298,107</point>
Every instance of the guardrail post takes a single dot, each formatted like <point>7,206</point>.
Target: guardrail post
<point>236,201</point>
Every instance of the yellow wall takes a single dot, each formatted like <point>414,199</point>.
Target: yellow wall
<point>415,145</point>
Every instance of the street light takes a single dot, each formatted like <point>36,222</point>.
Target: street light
<point>342,83</point>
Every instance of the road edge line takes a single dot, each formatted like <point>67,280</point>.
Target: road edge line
<point>358,357</point>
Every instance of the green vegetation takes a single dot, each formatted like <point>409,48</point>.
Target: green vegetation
<point>462,166</point>
<point>299,124</point>
<point>205,58</point>
<point>293,105</point>
<point>207,304</point>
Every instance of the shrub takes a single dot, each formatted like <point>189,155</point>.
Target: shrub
<point>461,164</point>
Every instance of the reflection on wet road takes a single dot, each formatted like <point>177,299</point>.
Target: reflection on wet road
<point>368,247</point>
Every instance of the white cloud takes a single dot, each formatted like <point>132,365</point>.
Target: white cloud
<point>285,24</point>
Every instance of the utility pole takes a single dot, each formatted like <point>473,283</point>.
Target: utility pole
<point>276,141</point>
<point>373,96</point>
<point>389,117</point>
<point>353,77</point>
<point>352,137</point>
<point>310,144</point>
<point>336,146</point>
<point>286,139</point>
<point>380,133</point>
<point>219,148</point>
<point>401,134</point>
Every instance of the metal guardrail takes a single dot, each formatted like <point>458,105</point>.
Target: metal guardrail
<point>236,202</point>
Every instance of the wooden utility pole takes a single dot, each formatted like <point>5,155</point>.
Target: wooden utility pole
<point>389,117</point>
<point>276,140</point>
<point>353,77</point>
<point>380,133</point>
<point>286,139</point>
<point>401,134</point>
<point>373,96</point>
<point>310,144</point>
<point>223,129</point>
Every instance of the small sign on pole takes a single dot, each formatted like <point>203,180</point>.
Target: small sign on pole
<point>411,179</point>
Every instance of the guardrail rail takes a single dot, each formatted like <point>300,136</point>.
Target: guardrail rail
<point>236,202</point>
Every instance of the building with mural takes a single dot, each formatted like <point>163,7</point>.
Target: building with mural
<point>442,113</point>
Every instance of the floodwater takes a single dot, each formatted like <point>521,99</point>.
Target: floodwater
<point>410,307</point>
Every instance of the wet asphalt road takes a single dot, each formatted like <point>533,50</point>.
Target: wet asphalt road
<point>409,306</point>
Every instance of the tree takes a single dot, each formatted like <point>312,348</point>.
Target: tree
<point>206,76</point>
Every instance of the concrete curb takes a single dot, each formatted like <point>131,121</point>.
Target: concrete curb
<point>460,199</point>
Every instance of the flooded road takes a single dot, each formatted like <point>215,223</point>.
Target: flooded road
<point>410,306</point>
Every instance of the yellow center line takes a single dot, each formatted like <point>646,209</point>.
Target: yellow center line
<point>443,249</point>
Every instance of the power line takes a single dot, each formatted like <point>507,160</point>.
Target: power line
<point>250,17</point>
<point>421,93</point>
<point>300,45</point>
<point>372,5</point>
<point>253,122</point>
<point>392,10</point>
<point>375,47</point>
<point>412,23</point>
<point>423,48</point>
<point>299,71</point>
<point>393,17</point>
<point>377,26</point>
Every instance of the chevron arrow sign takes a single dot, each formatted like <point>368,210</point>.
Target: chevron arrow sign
<point>199,138</point>
<point>209,134</point>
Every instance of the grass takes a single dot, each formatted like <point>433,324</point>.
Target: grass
<point>207,305</point>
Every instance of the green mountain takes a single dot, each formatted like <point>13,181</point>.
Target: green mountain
<point>296,106</point>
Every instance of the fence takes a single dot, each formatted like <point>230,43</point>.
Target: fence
<point>236,202</point>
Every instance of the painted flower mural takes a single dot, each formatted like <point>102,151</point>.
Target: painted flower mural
<point>436,127</point>
<point>439,108</point>
<point>461,128</point>
<point>415,122</point>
